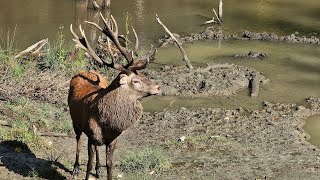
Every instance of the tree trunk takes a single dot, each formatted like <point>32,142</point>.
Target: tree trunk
<point>255,84</point>
<point>81,12</point>
<point>91,3</point>
<point>107,4</point>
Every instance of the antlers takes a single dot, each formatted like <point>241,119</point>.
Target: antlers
<point>132,65</point>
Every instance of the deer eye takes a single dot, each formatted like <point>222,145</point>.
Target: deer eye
<point>136,81</point>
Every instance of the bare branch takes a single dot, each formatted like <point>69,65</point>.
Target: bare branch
<point>185,57</point>
<point>220,10</point>
<point>215,13</point>
<point>34,49</point>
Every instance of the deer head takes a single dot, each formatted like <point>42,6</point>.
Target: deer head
<point>129,78</point>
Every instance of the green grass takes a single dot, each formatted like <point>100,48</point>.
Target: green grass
<point>22,133</point>
<point>36,114</point>
<point>144,160</point>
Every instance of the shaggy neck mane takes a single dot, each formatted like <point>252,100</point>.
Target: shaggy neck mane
<point>119,108</point>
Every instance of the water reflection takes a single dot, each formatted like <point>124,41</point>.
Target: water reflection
<point>312,127</point>
<point>86,14</point>
<point>139,13</point>
<point>38,19</point>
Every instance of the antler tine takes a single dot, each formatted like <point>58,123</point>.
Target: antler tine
<point>113,35</point>
<point>144,61</point>
<point>83,44</point>
<point>115,25</point>
<point>136,47</point>
<point>94,24</point>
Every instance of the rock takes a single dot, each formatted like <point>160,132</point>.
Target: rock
<point>182,139</point>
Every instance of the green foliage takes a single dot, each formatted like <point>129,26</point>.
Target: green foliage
<point>145,160</point>
<point>21,132</point>
<point>57,53</point>
<point>7,42</point>
<point>34,114</point>
<point>127,27</point>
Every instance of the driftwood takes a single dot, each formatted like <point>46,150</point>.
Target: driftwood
<point>35,50</point>
<point>255,84</point>
<point>184,54</point>
<point>218,16</point>
<point>220,10</point>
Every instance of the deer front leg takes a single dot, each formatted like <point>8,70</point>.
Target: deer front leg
<point>98,166</point>
<point>90,159</point>
<point>109,152</point>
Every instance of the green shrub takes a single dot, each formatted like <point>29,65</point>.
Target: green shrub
<point>144,160</point>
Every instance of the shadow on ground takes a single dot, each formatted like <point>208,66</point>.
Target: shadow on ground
<point>17,157</point>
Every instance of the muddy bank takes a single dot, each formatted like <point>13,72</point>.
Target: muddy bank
<point>231,144</point>
<point>219,144</point>
<point>217,34</point>
<point>210,80</point>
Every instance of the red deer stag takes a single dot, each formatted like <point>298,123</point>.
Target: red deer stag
<point>103,112</point>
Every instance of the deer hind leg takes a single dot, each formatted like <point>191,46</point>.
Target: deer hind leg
<point>109,154</point>
<point>90,159</point>
<point>76,163</point>
<point>98,166</point>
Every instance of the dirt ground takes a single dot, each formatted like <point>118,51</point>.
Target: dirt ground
<point>219,143</point>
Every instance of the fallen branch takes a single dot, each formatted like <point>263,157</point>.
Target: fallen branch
<point>34,50</point>
<point>185,57</point>
<point>255,83</point>
<point>218,16</point>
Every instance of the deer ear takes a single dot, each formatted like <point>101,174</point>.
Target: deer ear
<point>123,79</point>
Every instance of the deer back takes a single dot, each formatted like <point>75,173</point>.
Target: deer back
<point>84,88</point>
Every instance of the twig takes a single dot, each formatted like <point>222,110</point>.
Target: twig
<point>215,13</point>
<point>185,57</point>
<point>210,21</point>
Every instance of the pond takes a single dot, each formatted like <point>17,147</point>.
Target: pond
<point>294,69</point>
<point>36,19</point>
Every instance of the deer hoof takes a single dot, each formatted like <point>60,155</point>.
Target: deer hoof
<point>75,171</point>
<point>98,172</point>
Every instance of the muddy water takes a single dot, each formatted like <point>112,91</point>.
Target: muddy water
<point>37,19</point>
<point>312,127</point>
<point>293,69</point>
